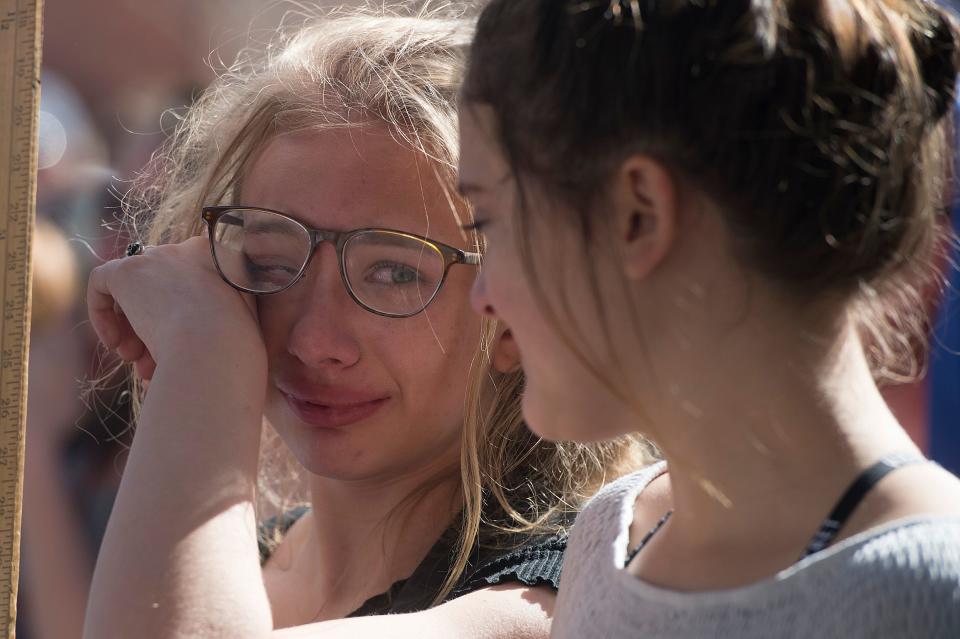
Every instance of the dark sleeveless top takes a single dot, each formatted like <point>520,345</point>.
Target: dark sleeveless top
<point>532,560</point>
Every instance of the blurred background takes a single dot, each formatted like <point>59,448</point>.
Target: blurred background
<point>111,69</point>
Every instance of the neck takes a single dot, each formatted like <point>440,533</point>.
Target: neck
<point>759,461</point>
<point>365,535</point>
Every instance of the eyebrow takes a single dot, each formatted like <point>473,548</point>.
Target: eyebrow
<point>264,226</point>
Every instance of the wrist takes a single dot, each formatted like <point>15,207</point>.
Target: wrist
<point>214,402</point>
<point>221,353</point>
<point>225,375</point>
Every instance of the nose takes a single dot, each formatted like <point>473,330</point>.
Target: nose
<point>478,296</point>
<point>322,334</point>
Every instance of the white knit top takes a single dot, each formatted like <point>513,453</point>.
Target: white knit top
<point>897,580</point>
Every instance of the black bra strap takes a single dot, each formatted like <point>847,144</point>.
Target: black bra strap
<point>647,538</point>
<point>854,495</point>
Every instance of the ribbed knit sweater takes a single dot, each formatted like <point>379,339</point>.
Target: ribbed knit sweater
<point>898,580</point>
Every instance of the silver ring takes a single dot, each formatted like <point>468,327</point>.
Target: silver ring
<point>134,248</point>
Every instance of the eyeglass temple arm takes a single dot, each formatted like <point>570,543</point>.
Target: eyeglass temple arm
<point>212,215</point>
<point>472,259</point>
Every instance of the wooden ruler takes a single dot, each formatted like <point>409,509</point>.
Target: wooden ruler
<point>20,30</point>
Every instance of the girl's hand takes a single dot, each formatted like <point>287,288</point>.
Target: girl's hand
<point>169,300</point>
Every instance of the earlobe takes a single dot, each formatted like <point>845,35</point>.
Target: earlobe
<point>505,356</point>
<point>646,198</point>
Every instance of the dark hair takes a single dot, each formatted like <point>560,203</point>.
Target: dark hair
<point>818,126</point>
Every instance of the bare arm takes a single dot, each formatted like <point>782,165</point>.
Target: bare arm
<point>179,558</point>
<point>500,612</point>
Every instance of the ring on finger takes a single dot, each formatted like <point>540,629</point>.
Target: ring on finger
<point>134,248</point>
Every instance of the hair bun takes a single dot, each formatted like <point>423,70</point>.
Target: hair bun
<point>938,59</point>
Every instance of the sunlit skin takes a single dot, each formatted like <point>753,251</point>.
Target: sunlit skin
<point>762,401</point>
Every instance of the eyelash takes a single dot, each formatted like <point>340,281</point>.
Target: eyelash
<point>476,227</point>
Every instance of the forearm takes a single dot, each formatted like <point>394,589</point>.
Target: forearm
<point>57,564</point>
<point>179,558</point>
<point>510,611</point>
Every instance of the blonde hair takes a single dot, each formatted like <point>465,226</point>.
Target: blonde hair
<point>400,67</point>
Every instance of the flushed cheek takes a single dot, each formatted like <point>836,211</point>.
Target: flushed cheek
<point>516,304</point>
<point>572,406</point>
<point>562,400</point>
<point>275,326</point>
<point>426,353</point>
<point>427,415</point>
<point>503,287</point>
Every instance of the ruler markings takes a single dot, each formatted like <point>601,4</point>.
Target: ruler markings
<point>19,75</point>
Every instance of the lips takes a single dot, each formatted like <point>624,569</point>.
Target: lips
<point>331,407</point>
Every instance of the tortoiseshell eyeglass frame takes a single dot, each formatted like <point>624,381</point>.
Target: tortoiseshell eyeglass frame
<point>211,215</point>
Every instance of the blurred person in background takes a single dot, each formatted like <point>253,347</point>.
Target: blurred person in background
<point>57,559</point>
<point>74,448</point>
<point>73,163</point>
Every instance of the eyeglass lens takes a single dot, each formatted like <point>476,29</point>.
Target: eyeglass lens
<point>386,271</point>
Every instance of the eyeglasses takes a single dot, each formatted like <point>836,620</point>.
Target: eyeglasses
<point>389,273</point>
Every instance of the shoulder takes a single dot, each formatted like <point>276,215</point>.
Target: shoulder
<point>905,572</point>
<point>538,560</point>
<point>530,560</point>
<point>601,534</point>
<point>925,489</point>
<point>614,494</point>
<point>926,545</point>
<point>611,511</point>
<point>914,491</point>
<point>649,508</point>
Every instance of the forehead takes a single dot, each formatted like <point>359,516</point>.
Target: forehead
<point>349,178</point>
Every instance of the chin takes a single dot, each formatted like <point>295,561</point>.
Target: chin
<point>562,420</point>
<point>549,420</point>
<point>327,454</point>
<point>338,455</point>
<point>357,454</point>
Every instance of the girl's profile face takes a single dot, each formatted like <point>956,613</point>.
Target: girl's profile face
<point>357,396</point>
<point>562,399</point>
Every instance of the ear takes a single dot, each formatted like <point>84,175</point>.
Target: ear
<point>645,196</point>
<point>505,356</point>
